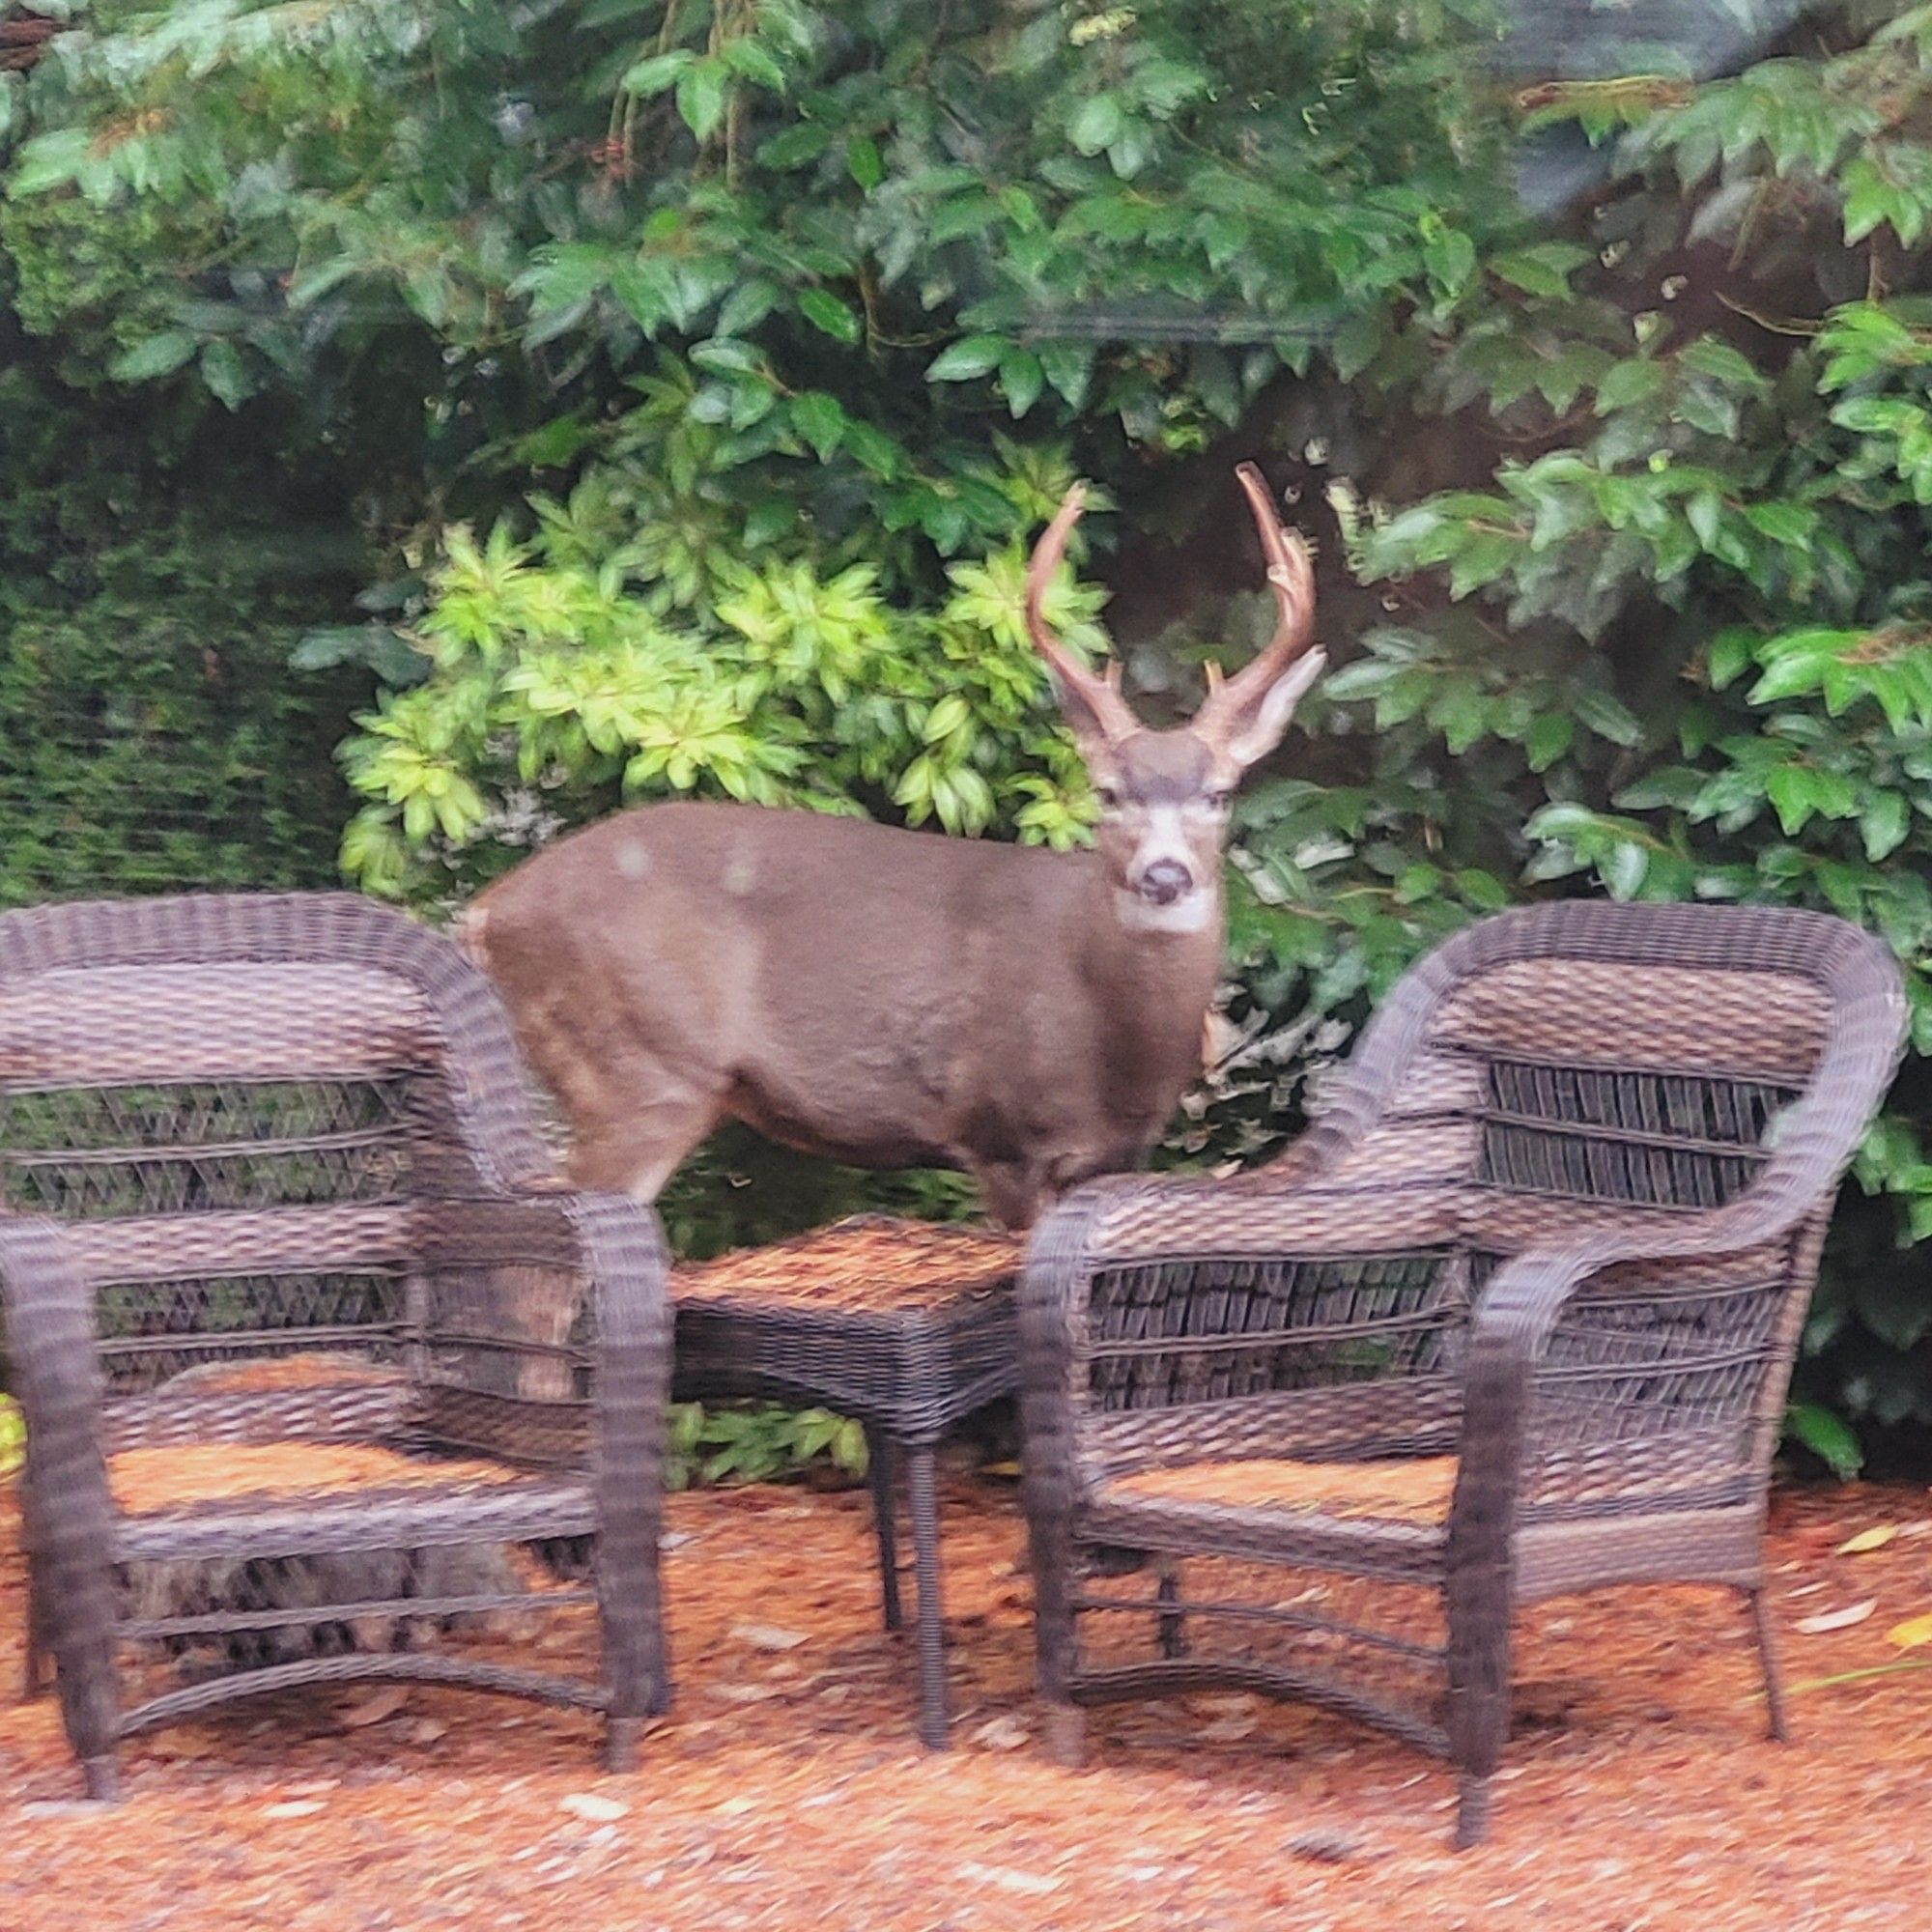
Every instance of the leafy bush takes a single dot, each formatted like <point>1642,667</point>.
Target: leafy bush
<point>742,1442</point>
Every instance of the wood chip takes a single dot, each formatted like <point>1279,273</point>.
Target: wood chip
<point>383,1701</point>
<point>594,1808</point>
<point>768,1636</point>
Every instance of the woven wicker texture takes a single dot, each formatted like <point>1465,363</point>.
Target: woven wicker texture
<point>907,1326</point>
<point>1551,1242</point>
<point>296,1312</point>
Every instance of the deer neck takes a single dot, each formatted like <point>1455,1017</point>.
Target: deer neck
<point>1155,962</point>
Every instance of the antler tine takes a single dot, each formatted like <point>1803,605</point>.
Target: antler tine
<point>1290,577</point>
<point>1101,695</point>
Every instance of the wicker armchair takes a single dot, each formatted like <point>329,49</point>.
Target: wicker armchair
<point>1515,1318</point>
<point>299,1324</point>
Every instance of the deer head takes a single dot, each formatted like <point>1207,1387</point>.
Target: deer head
<point>1164,796</point>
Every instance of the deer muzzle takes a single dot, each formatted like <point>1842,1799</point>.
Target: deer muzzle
<point>1164,882</point>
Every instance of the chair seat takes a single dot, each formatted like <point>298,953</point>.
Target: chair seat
<point>312,1498</point>
<point>1403,1490</point>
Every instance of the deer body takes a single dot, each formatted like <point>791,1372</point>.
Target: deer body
<point>893,998</point>
<point>875,996</point>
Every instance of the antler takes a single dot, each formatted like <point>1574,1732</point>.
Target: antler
<point>1112,716</point>
<point>1292,577</point>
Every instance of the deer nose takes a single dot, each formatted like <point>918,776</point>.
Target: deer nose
<point>1165,881</point>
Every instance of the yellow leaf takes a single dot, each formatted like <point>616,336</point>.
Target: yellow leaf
<point>1911,1634</point>
<point>1867,1538</point>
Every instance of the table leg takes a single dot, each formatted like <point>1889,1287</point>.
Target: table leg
<point>932,1714</point>
<point>880,1457</point>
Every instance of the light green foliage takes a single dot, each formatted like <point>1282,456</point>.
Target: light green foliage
<point>747,1443</point>
<point>13,1436</point>
<point>580,669</point>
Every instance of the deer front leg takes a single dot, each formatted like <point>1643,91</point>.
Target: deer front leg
<point>1013,1193</point>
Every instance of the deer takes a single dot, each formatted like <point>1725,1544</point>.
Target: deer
<point>887,997</point>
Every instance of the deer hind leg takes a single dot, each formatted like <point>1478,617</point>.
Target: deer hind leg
<point>632,1153</point>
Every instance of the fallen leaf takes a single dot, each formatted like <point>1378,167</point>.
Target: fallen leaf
<point>1031,1884</point>
<point>1867,1538</point>
<point>1912,1632</point>
<point>593,1807</point>
<point>384,1702</point>
<point>1003,1734</point>
<point>768,1636</point>
<point>1836,1620</point>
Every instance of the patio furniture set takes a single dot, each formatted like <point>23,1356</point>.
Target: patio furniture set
<point>312,1342</point>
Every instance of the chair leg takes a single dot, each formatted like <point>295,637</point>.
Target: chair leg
<point>1472,1810</point>
<point>1773,1679</point>
<point>932,1713</point>
<point>1065,1734</point>
<point>880,1460</point>
<point>620,1744</point>
<point>1479,1696</point>
<point>1172,1634</point>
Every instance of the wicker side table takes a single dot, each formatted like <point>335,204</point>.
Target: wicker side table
<point>905,1326</point>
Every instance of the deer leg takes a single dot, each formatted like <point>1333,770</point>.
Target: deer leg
<point>636,1151</point>
<point>1013,1193</point>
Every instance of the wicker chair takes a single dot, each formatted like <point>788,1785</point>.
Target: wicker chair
<point>1515,1318</point>
<point>298,1320</point>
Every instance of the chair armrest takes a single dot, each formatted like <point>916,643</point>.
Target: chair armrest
<point>608,1239</point>
<point>1510,1330</point>
<point>49,1321</point>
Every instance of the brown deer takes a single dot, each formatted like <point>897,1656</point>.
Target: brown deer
<point>890,998</point>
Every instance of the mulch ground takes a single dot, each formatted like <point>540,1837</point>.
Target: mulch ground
<point>787,1790</point>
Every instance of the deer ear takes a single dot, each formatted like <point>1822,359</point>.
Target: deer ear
<point>1258,729</point>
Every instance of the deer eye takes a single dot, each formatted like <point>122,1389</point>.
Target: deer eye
<point>1220,798</point>
<point>1107,797</point>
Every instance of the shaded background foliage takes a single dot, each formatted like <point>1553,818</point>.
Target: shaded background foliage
<point>625,401</point>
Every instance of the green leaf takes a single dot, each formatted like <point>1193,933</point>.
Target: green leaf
<point>158,356</point>
<point>658,73</point>
<point>1543,270</point>
<point>1098,124</point>
<point>49,161</point>
<point>1627,382</point>
<point>745,56</point>
<point>1827,1436</point>
<point>1624,868</point>
<point>825,311</point>
<point>1731,652</point>
<point>1790,792</point>
<point>702,90</point>
<point>222,371</point>
<point>1607,717</point>
<point>1068,366</point>
<point>1546,740</point>
<point>1884,824</point>
<point>820,418</point>
<point>976,356</point>
<point>1021,377</point>
<point>863,163</point>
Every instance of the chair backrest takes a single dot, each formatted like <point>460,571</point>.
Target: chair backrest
<point>238,1104</point>
<point>1632,1056</point>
